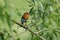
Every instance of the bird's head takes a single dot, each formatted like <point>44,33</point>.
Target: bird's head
<point>26,13</point>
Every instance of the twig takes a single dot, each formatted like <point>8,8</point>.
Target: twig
<point>46,29</point>
<point>28,29</point>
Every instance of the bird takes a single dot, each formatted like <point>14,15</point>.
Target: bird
<point>25,17</point>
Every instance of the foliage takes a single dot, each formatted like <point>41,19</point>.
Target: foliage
<point>44,19</point>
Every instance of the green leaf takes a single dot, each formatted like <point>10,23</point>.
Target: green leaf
<point>14,31</point>
<point>18,38</point>
<point>31,11</point>
<point>1,36</point>
<point>33,1</point>
<point>8,19</point>
<point>1,14</point>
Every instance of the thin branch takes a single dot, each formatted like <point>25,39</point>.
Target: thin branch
<point>46,29</point>
<point>28,29</point>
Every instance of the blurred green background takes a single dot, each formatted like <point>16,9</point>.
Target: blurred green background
<point>44,18</point>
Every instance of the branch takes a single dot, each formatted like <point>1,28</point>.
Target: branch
<point>28,29</point>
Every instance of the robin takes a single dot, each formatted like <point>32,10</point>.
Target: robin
<point>24,17</point>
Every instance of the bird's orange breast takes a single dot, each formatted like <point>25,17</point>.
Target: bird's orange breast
<point>26,16</point>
